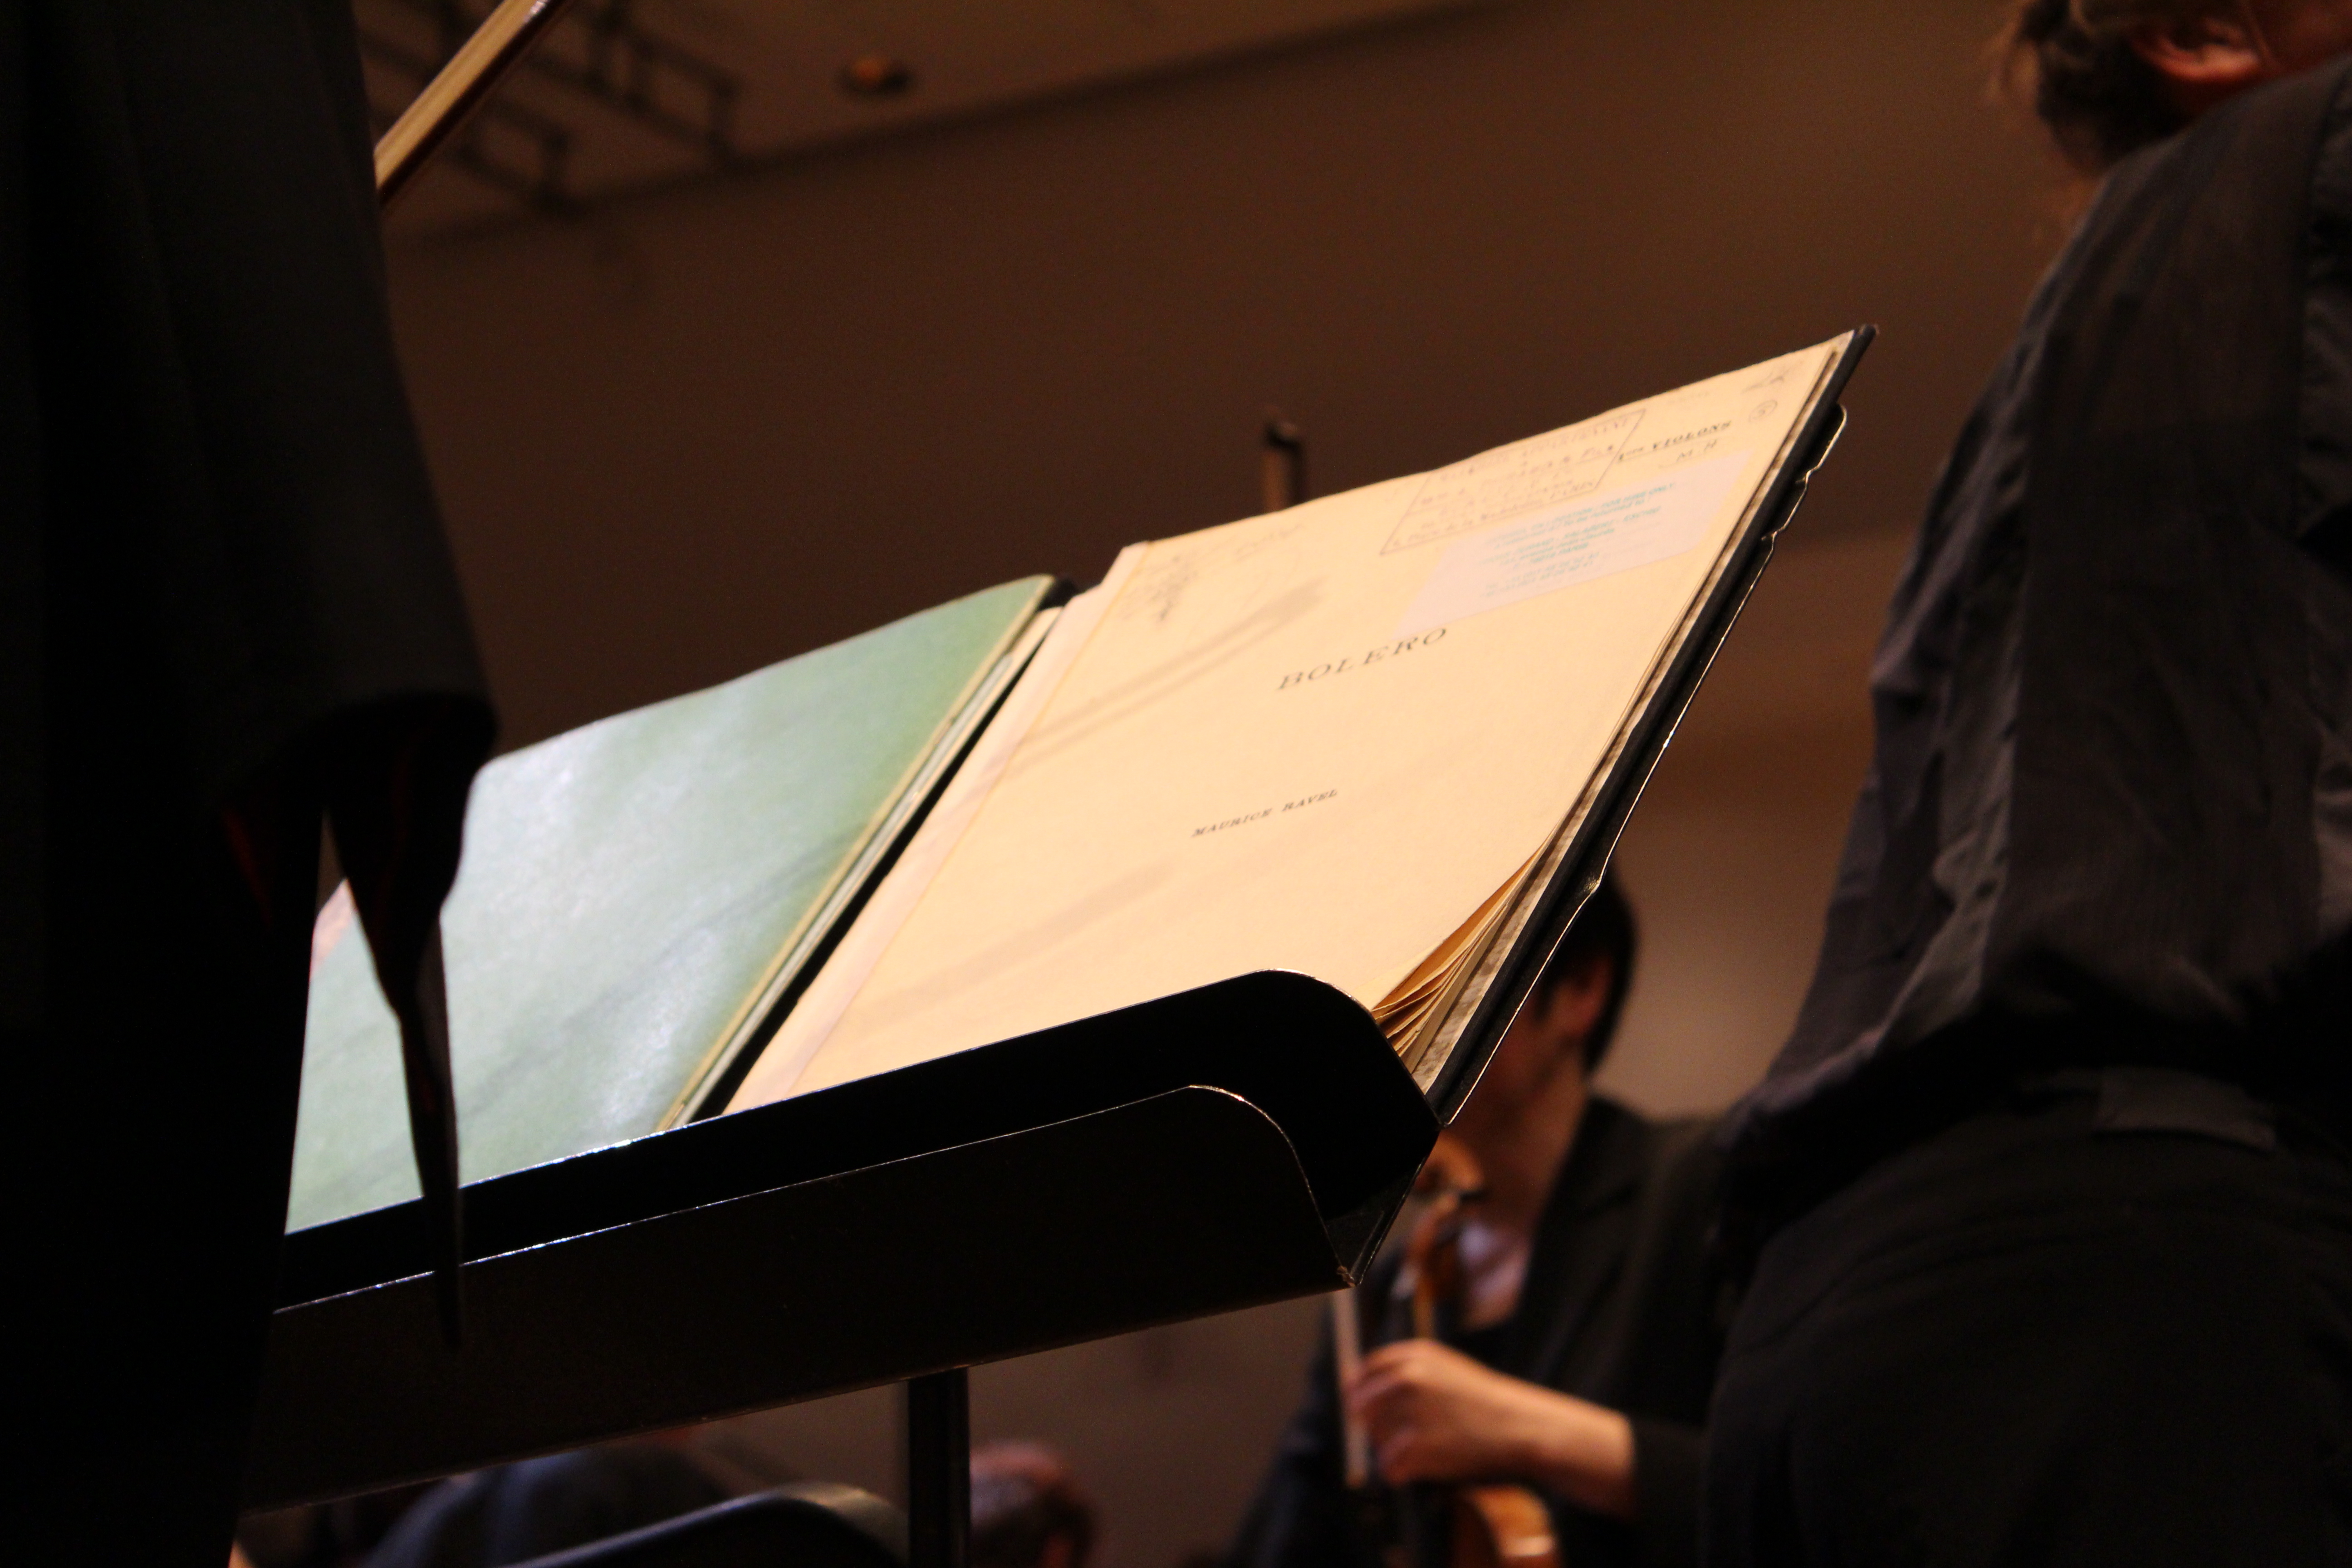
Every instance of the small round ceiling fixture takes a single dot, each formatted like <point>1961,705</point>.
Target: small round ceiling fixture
<point>877,76</point>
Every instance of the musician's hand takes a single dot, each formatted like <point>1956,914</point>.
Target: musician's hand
<point>1434,1415</point>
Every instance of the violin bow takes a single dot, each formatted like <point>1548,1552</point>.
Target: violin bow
<point>460,88</point>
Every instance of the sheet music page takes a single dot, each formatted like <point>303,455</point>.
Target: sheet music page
<point>1320,740</point>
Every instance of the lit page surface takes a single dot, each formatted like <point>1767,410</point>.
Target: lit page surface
<point>1330,740</point>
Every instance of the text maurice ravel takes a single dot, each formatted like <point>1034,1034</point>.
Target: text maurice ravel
<point>1299,804</point>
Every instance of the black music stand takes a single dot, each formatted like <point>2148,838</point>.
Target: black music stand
<point>1242,1143</point>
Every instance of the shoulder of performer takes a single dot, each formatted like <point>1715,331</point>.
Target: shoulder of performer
<point>1620,1144</point>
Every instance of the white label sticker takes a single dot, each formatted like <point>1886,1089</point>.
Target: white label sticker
<point>1613,532</point>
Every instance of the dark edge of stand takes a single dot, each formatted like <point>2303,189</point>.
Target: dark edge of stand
<point>1588,857</point>
<point>1188,1202</point>
<point>1241,1144</point>
<point>1298,1050</point>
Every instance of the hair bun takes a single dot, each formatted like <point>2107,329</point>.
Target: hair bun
<point>2073,61</point>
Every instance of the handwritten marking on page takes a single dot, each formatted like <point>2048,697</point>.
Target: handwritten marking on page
<point>1541,471</point>
<point>1613,532</point>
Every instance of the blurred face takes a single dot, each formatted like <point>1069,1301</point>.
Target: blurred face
<point>1544,1041</point>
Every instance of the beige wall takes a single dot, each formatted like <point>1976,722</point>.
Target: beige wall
<point>708,428</point>
<point>1729,857</point>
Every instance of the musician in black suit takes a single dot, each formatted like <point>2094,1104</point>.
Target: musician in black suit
<point>1580,1358</point>
<point>2049,1195</point>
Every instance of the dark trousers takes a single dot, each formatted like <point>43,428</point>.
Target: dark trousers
<point>153,1136</point>
<point>2061,1331</point>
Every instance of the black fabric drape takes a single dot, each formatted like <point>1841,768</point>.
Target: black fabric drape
<point>2109,814</point>
<point>227,603</point>
<point>2106,1321</point>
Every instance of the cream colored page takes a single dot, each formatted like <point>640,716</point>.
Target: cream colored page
<point>829,994</point>
<point>1253,767</point>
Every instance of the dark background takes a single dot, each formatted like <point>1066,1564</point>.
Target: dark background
<point>686,433</point>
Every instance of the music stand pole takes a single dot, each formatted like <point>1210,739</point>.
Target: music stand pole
<point>1282,464</point>
<point>938,1470</point>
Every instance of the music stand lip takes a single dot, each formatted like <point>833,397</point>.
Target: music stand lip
<point>1188,1202</point>
<point>1303,1053</point>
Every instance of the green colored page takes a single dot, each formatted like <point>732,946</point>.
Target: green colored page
<point>627,891</point>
